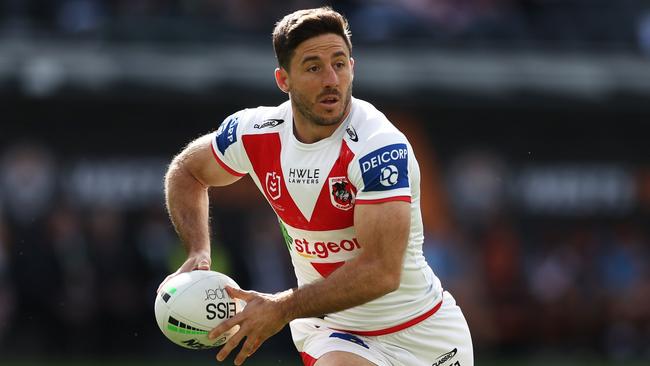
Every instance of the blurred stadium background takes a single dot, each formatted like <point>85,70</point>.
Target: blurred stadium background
<point>530,119</point>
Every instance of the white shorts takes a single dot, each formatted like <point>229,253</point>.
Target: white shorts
<point>442,339</point>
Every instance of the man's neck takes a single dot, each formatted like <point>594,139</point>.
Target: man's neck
<point>309,132</point>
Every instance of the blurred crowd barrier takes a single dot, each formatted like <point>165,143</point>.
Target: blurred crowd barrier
<point>582,23</point>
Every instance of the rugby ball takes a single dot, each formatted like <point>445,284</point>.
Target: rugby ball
<point>190,304</point>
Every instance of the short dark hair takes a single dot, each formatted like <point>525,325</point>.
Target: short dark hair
<point>302,25</point>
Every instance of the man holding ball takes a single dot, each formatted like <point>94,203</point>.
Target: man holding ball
<point>344,183</point>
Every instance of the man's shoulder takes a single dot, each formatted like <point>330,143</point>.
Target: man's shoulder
<point>261,119</point>
<point>370,128</point>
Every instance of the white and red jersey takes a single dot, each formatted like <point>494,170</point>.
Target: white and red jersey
<point>313,189</point>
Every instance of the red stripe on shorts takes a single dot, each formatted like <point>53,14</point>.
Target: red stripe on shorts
<point>398,327</point>
<point>307,360</point>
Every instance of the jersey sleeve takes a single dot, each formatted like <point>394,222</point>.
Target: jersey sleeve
<point>227,145</point>
<point>381,169</point>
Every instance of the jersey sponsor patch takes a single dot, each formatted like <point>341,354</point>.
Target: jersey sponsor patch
<point>385,168</point>
<point>227,134</point>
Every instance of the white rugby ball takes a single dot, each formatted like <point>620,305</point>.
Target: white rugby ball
<point>192,303</point>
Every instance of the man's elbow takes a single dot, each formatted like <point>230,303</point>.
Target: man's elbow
<point>182,170</point>
<point>389,281</point>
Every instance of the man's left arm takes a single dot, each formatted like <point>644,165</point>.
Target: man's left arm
<point>382,230</point>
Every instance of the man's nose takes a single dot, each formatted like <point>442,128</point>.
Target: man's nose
<point>331,78</point>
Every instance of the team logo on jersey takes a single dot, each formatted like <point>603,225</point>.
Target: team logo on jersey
<point>272,122</point>
<point>227,134</point>
<point>352,133</point>
<point>272,185</point>
<point>385,168</point>
<point>341,193</point>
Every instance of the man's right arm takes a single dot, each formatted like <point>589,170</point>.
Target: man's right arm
<point>188,178</point>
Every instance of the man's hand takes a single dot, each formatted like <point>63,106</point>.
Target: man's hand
<point>199,260</point>
<point>262,317</point>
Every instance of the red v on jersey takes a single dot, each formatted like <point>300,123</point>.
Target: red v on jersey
<point>330,213</point>
<point>325,269</point>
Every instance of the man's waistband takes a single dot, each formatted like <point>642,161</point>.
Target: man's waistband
<point>398,327</point>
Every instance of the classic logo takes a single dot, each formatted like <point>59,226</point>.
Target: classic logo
<point>273,185</point>
<point>445,357</point>
<point>341,193</point>
<point>272,122</point>
<point>385,168</point>
<point>226,134</point>
<point>352,133</point>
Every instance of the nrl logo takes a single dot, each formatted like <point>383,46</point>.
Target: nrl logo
<point>269,123</point>
<point>341,193</point>
<point>273,185</point>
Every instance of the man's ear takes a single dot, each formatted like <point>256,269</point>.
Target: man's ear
<point>352,67</point>
<point>282,79</point>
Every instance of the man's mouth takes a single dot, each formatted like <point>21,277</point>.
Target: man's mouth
<point>329,100</point>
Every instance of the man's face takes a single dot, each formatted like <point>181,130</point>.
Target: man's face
<point>320,79</point>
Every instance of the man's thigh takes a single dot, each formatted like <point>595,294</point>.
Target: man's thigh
<point>340,358</point>
<point>318,343</point>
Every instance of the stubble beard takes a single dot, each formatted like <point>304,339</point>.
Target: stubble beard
<point>306,109</point>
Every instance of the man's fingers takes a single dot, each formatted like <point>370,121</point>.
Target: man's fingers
<point>203,265</point>
<point>230,345</point>
<point>250,346</point>
<point>224,327</point>
<point>237,293</point>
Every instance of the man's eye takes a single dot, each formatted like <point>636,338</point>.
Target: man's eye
<point>313,68</point>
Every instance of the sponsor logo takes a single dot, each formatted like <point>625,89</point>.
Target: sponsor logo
<point>304,176</point>
<point>341,193</point>
<point>221,310</point>
<point>226,134</point>
<point>385,168</point>
<point>445,357</point>
<point>352,133</point>
<point>273,185</point>
<point>272,122</point>
<point>388,176</point>
<point>218,293</point>
<point>322,249</point>
<point>351,338</point>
